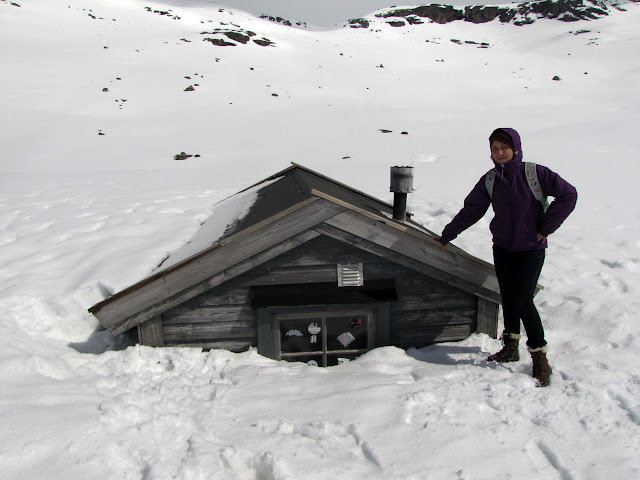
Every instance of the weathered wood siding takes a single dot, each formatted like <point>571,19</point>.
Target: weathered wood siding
<point>150,333</point>
<point>427,310</point>
<point>219,318</point>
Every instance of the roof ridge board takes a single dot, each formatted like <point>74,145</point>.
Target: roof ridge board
<point>344,185</point>
<point>412,228</point>
<point>486,268</point>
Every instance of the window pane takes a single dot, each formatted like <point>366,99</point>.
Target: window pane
<point>347,333</point>
<point>301,335</point>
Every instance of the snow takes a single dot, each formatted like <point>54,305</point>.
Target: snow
<point>84,215</point>
<point>223,215</point>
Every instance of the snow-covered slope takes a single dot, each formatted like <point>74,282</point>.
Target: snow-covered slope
<point>94,107</point>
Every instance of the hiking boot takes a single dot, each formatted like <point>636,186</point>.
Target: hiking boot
<point>509,352</point>
<point>541,369</point>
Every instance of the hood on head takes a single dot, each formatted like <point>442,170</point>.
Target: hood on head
<point>517,144</point>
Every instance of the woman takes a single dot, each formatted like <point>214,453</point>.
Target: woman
<point>520,229</point>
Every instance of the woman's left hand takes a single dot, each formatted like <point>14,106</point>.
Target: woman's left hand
<point>541,238</point>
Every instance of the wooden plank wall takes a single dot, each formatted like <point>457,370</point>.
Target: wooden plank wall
<point>218,318</point>
<point>428,310</point>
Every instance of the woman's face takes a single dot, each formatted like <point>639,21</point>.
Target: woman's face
<point>501,152</point>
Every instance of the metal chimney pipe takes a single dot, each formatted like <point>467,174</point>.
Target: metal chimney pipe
<point>401,185</point>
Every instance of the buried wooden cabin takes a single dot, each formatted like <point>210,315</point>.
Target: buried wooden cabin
<point>309,269</point>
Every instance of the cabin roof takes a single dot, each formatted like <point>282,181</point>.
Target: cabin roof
<point>286,210</point>
<point>298,183</point>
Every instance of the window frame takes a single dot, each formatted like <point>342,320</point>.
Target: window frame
<point>268,322</point>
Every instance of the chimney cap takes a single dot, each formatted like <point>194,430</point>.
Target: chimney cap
<point>401,180</point>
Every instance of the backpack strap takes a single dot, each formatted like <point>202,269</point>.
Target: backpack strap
<point>532,179</point>
<point>489,180</point>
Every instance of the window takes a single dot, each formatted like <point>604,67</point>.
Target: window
<point>324,338</point>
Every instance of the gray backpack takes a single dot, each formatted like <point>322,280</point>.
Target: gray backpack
<point>532,179</point>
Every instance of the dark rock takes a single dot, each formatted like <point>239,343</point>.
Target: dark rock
<point>520,14</point>
<point>238,37</point>
<point>437,13</point>
<point>397,23</point>
<point>359,23</point>
<point>163,12</point>
<point>556,78</point>
<point>483,14</point>
<point>189,89</point>
<point>182,156</point>
<point>264,42</point>
<point>384,130</point>
<point>281,20</point>
<point>219,42</point>
<point>568,17</point>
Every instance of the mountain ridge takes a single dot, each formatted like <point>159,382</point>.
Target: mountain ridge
<point>523,14</point>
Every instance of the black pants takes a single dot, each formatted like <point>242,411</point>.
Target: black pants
<point>518,274</point>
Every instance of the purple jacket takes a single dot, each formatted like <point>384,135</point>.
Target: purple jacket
<point>519,217</point>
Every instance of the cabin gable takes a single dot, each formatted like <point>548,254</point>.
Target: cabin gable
<point>400,306</point>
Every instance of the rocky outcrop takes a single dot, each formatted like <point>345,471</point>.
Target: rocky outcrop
<point>435,12</point>
<point>239,36</point>
<point>184,156</point>
<point>521,14</point>
<point>283,21</point>
<point>359,23</point>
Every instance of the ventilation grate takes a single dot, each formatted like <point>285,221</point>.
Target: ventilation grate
<point>350,275</point>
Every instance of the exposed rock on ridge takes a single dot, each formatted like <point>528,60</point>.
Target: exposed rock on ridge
<point>521,14</point>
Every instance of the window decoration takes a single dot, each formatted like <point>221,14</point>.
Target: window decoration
<point>325,339</point>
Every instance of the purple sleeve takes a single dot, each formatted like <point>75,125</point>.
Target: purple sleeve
<point>565,198</point>
<point>475,206</point>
